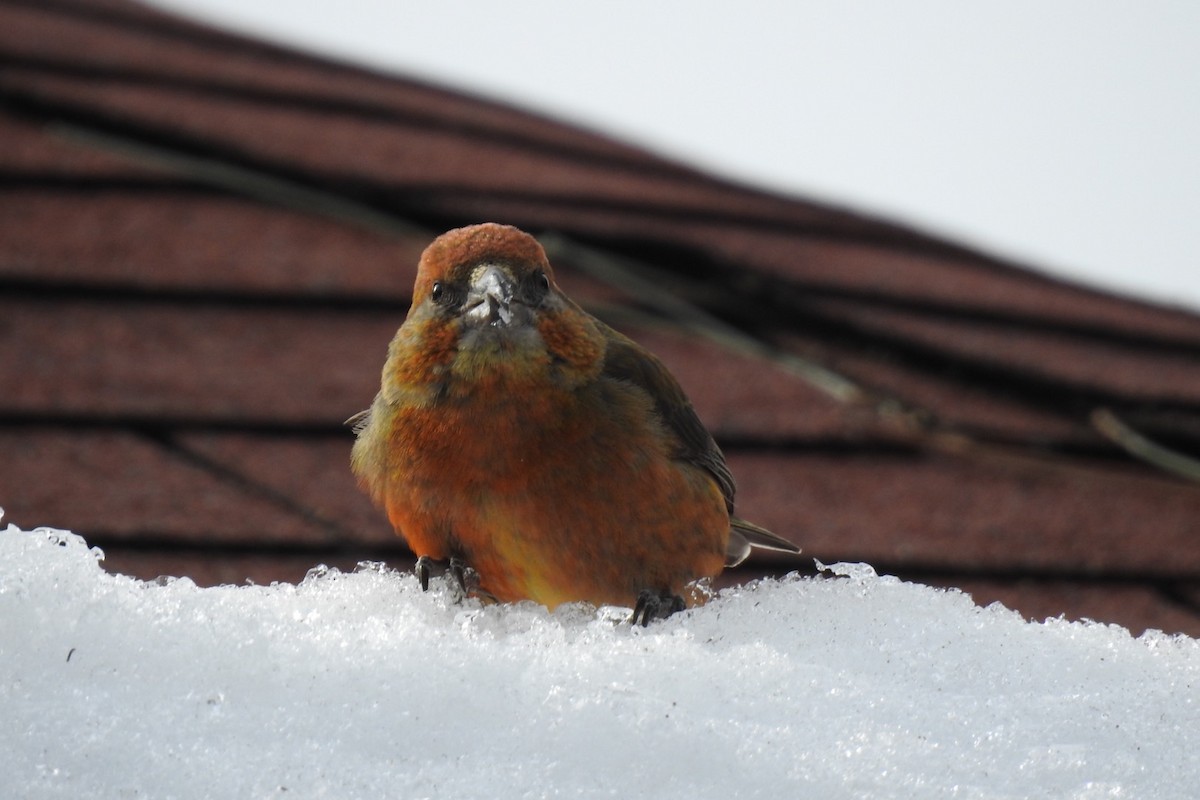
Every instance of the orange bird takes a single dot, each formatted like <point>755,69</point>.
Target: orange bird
<point>545,455</point>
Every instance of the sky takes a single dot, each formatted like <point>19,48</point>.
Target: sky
<point>1064,136</point>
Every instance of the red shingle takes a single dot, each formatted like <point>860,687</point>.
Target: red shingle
<point>192,363</point>
<point>169,238</point>
<point>315,474</point>
<point>188,349</point>
<point>124,487</point>
<point>987,510</point>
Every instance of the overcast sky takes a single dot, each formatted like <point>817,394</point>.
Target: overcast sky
<point>1063,134</point>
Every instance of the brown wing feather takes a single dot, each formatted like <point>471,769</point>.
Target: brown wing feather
<point>626,361</point>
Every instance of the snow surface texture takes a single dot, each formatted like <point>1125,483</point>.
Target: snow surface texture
<point>360,685</point>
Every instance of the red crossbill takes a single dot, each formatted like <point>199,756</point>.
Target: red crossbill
<point>528,442</point>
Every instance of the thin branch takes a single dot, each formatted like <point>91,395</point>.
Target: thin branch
<point>245,182</point>
<point>647,284</point>
<point>1115,430</point>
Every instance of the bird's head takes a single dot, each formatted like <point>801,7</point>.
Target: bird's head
<point>485,303</point>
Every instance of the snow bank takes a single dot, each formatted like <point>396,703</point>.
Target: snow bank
<point>359,685</point>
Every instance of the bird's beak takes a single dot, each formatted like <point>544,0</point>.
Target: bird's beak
<point>489,297</point>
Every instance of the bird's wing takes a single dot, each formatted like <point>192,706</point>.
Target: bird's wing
<point>625,360</point>
<point>761,537</point>
<point>359,421</point>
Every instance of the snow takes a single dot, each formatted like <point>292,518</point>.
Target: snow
<point>360,685</point>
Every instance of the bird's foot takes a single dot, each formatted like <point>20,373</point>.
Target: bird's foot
<point>655,605</point>
<point>423,568</point>
<point>463,579</point>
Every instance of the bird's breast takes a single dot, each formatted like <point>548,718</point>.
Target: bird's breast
<point>554,492</point>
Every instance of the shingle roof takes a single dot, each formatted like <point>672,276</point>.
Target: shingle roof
<point>206,243</point>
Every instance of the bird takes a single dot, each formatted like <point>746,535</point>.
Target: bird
<point>540,453</point>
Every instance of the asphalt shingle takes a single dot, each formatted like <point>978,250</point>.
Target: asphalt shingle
<point>206,243</point>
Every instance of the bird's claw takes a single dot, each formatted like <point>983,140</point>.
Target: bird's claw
<point>464,576</point>
<point>465,579</point>
<point>655,605</point>
<point>422,569</point>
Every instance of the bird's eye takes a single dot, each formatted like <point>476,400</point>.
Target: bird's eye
<point>537,285</point>
<point>438,292</point>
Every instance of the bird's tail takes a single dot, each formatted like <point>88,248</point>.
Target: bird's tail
<point>745,536</point>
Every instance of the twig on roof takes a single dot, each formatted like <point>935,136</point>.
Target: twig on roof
<point>243,181</point>
<point>647,284</point>
<point>1115,430</point>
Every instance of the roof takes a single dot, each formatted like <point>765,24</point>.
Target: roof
<point>207,241</point>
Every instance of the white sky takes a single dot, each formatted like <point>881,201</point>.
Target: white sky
<point>1065,135</point>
